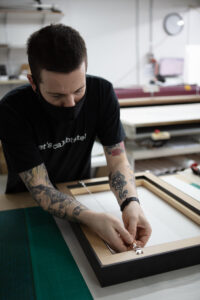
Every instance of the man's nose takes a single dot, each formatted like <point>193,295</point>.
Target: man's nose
<point>68,101</point>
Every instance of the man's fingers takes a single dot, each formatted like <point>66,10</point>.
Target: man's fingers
<point>112,231</point>
<point>118,245</point>
<point>116,241</point>
<point>125,235</point>
<point>141,242</point>
<point>132,228</point>
<point>119,238</point>
<point>143,235</point>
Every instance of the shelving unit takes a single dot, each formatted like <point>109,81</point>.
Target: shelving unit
<point>180,147</point>
<point>43,14</point>
<point>11,46</point>
<point>26,13</point>
<point>5,11</point>
<point>16,25</point>
<point>181,121</point>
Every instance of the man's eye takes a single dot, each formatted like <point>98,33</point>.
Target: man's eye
<point>77,92</point>
<point>56,96</point>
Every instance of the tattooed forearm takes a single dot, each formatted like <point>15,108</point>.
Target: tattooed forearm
<point>131,176</point>
<point>115,150</point>
<point>121,178</point>
<point>57,203</point>
<point>77,210</point>
<point>61,212</point>
<point>49,198</point>
<point>44,193</point>
<point>31,176</point>
<point>118,182</point>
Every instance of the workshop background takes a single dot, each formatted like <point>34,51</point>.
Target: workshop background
<point>119,33</point>
<point>150,51</point>
<point>129,43</point>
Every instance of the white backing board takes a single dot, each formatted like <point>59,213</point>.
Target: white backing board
<point>187,188</point>
<point>167,223</point>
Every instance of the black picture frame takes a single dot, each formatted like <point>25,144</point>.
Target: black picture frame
<point>167,257</point>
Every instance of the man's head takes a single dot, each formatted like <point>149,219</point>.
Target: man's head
<point>56,48</point>
<point>57,57</point>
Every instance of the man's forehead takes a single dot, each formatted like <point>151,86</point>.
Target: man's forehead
<point>63,81</point>
<point>58,92</point>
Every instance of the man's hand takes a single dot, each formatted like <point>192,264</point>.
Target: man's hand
<point>110,229</point>
<point>122,183</point>
<point>136,223</point>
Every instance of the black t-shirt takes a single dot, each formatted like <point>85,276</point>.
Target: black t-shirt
<point>30,136</point>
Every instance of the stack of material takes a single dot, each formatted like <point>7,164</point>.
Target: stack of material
<point>166,165</point>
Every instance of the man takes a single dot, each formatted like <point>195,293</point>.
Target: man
<point>48,129</point>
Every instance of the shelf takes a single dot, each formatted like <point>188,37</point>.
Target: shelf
<point>42,12</point>
<point>13,81</point>
<point>12,46</point>
<point>22,15</point>
<point>176,148</point>
<point>4,46</point>
<point>158,100</point>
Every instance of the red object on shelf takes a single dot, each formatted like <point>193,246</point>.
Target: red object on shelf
<point>195,168</point>
<point>157,131</point>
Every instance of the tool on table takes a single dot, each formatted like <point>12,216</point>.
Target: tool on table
<point>195,168</point>
<point>159,137</point>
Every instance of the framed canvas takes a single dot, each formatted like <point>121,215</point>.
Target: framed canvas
<point>173,215</point>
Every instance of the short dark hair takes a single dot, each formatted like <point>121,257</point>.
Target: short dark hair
<point>56,48</point>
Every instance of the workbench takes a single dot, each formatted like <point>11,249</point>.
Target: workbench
<point>81,282</point>
<point>180,121</point>
<point>155,95</point>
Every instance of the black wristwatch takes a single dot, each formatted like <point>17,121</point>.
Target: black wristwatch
<point>127,201</point>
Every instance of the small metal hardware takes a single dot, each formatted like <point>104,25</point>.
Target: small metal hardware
<point>137,249</point>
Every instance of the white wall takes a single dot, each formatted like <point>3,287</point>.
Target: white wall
<point>117,34</point>
<point>109,30</point>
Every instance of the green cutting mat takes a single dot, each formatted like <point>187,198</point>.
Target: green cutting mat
<point>35,262</point>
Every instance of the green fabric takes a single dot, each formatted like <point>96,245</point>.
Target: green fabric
<point>56,275</point>
<point>16,280</point>
<point>195,185</point>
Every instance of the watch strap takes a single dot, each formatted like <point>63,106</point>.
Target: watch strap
<point>127,201</point>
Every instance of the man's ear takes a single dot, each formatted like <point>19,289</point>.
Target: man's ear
<point>30,79</point>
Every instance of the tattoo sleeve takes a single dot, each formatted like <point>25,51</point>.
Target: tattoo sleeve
<point>121,177</point>
<point>48,197</point>
<point>118,183</point>
<point>115,149</point>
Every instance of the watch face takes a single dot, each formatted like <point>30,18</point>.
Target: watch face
<point>173,24</point>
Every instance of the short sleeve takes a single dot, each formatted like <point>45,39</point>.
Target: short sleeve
<point>17,139</point>
<point>110,130</point>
